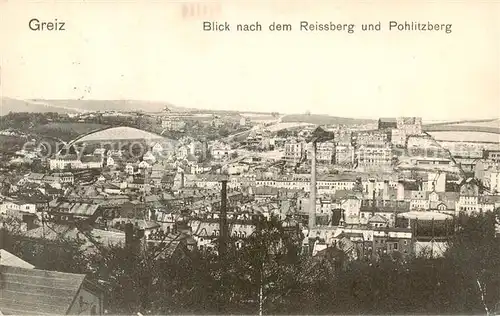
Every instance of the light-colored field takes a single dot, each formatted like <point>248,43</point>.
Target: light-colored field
<point>466,136</point>
<point>495,123</point>
<point>120,133</point>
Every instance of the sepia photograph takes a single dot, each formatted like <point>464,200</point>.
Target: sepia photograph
<point>249,157</point>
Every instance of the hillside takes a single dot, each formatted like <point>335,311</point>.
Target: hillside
<point>115,105</point>
<point>319,119</point>
<point>12,105</point>
<point>66,131</point>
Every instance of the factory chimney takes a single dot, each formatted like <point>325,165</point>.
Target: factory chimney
<point>312,197</point>
<point>129,234</point>
<point>223,220</point>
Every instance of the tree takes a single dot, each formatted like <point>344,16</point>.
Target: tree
<point>475,255</point>
<point>260,276</point>
<point>62,254</point>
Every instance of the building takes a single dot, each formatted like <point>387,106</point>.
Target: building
<point>468,201</point>
<point>387,123</point>
<point>374,157</point>
<point>217,122</point>
<point>463,149</point>
<point>207,231</point>
<point>173,124</point>
<point>431,162</point>
<point>64,177</point>
<point>344,155</point>
<point>8,259</point>
<point>16,207</point>
<point>69,211</point>
<point>493,155</point>
<point>149,157</point>
<point>398,137</point>
<point>375,138</point>
<point>110,162</point>
<point>244,121</point>
<point>26,291</point>
<point>392,240</point>
<point>419,201</point>
<point>65,162</point>
<point>495,182</point>
<point>92,162</point>
<point>409,125</point>
<point>294,150</point>
<point>220,151</point>
<point>343,137</point>
<point>401,128</point>
<point>325,152</point>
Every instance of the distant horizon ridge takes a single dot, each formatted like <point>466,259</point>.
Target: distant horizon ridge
<point>194,108</point>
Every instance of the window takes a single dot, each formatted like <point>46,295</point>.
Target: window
<point>396,246</point>
<point>93,310</point>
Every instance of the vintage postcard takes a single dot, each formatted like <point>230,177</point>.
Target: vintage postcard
<point>249,157</point>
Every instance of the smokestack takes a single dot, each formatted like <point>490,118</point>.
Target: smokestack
<point>312,199</point>
<point>129,234</point>
<point>223,219</point>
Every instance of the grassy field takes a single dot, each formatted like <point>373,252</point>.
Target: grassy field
<point>493,124</point>
<point>481,123</point>
<point>66,131</point>
<point>466,136</point>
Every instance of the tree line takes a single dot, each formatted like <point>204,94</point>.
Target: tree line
<point>268,275</point>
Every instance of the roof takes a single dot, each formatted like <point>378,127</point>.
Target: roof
<point>377,219</point>
<point>84,209</point>
<point>37,292</point>
<point>8,259</point>
<point>35,176</point>
<point>86,159</point>
<point>266,191</point>
<point>490,199</point>
<point>58,231</point>
<point>70,157</point>
<point>425,215</point>
<point>419,195</point>
<point>388,119</point>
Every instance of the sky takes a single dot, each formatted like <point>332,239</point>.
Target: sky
<point>158,51</point>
